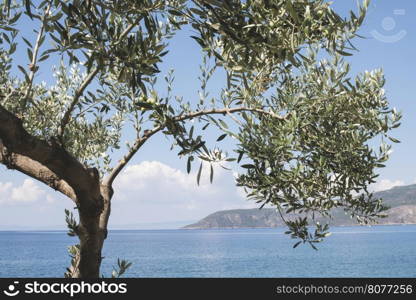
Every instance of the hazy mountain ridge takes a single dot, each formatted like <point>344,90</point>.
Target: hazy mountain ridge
<point>401,200</point>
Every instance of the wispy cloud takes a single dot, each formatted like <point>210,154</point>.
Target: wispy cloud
<point>156,192</point>
<point>27,192</point>
<point>385,184</point>
<point>147,192</point>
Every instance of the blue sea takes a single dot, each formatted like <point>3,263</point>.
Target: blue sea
<point>378,251</point>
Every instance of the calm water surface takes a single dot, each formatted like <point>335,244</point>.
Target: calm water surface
<point>378,251</point>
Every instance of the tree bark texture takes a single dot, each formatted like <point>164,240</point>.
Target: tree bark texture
<point>49,163</point>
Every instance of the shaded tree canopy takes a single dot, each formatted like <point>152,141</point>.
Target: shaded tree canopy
<point>309,136</point>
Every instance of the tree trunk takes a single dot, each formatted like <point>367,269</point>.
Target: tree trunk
<point>92,231</point>
<point>90,247</point>
<point>49,162</point>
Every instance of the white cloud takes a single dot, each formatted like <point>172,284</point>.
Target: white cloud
<point>153,175</point>
<point>50,199</point>
<point>385,184</point>
<point>26,203</point>
<point>5,188</point>
<point>28,191</point>
<point>149,192</point>
<point>152,191</point>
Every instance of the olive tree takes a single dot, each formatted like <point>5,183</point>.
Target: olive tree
<point>308,136</point>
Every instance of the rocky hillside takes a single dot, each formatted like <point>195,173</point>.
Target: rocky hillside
<point>402,201</point>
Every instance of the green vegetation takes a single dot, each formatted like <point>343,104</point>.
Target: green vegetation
<point>302,124</point>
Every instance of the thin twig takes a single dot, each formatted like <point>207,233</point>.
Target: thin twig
<point>32,66</point>
<point>78,94</point>
<point>67,115</point>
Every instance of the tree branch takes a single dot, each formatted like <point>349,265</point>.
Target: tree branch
<point>67,115</point>
<point>225,111</point>
<point>149,133</point>
<point>56,161</point>
<point>133,150</point>
<point>78,94</point>
<point>32,66</point>
<point>127,31</point>
<point>35,170</point>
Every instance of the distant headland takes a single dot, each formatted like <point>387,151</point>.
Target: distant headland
<point>401,200</point>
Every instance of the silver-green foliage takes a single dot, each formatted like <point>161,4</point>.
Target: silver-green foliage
<point>307,133</point>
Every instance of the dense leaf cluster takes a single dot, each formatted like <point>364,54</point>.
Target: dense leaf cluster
<point>306,131</point>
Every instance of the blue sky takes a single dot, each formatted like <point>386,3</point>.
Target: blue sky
<point>155,190</point>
